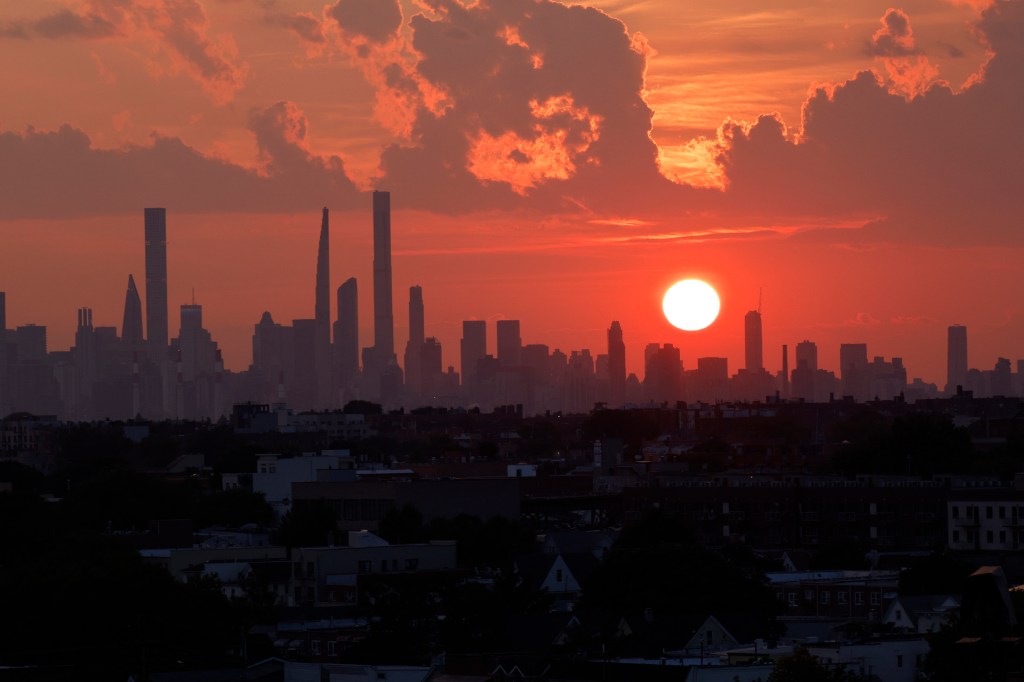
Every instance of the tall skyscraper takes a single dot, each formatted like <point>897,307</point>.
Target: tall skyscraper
<point>785,371</point>
<point>346,335</point>
<point>754,359</point>
<point>383,319</point>
<point>805,372</point>
<point>3,312</point>
<point>413,377</point>
<point>322,348</point>
<point>616,366</point>
<point>156,280</point>
<point>509,343</point>
<point>853,365</point>
<point>131,323</point>
<point>473,348</point>
<point>956,358</point>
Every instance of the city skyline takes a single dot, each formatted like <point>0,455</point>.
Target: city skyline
<point>865,210</point>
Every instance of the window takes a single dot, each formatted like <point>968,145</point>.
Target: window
<point>899,660</point>
<point>791,598</point>
<point>1002,537</point>
<point>365,566</point>
<point>841,597</point>
<point>956,511</point>
<point>988,536</point>
<point>298,594</point>
<point>875,599</point>
<point>824,597</point>
<point>384,565</point>
<point>988,512</point>
<point>309,569</point>
<point>956,536</point>
<point>558,575</point>
<point>412,564</point>
<point>314,647</point>
<point>332,648</point>
<point>808,595</point>
<point>858,599</point>
<point>710,637</point>
<point>1002,512</point>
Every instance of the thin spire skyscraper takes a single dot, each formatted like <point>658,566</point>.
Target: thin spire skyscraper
<point>754,354</point>
<point>383,318</point>
<point>346,336</point>
<point>322,348</point>
<point>616,366</point>
<point>131,323</point>
<point>156,280</point>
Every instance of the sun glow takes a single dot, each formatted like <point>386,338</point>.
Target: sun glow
<point>691,305</point>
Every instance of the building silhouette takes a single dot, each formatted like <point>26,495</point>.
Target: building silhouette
<point>131,322</point>
<point>322,348</point>
<point>753,352</point>
<point>383,319</point>
<point>806,371</point>
<point>956,358</point>
<point>616,366</point>
<point>414,346</point>
<point>853,367</point>
<point>346,340</point>
<point>156,281</point>
<point>509,343</point>
<point>472,349</point>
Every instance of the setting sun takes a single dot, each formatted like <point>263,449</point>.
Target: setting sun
<point>691,305</point>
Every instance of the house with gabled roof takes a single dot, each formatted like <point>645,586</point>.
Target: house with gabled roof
<point>922,614</point>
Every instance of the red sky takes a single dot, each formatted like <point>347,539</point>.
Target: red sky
<point>859,163</point>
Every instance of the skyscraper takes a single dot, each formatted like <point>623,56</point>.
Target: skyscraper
<point>156,280</point>
<point>3,312</point>
<point>754,359</point>
<point>413,377</point>
<point>346,335</point>
<point>956,358</point>
<point>131,323</point>
<point>473,348</point>
<point>509,343</point>
<point>805,372</point>
<point>383,319</point>
<point>853,365</point>
<point>322,348</point>
<point>616,366</point>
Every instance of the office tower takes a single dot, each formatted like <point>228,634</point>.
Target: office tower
<point>3,312</point>
<point>302,386</point>
<point>853,366</point>
<point>383,320</point>
<point>616,366</point>
<point>806,371</point>
<point>509,343</point>
<point>346,335</point>
<point>413,378</point>
<point>429,365</point>
<point>131,323</point>
<point>271,359</point>
<point>198,389</point>
<point>754,361</point>
<point>156,280</point>
<point>956,358</point>
<point>785,371</point>
<point>472,348</point>
<point>322,315</point>
<point>663,373</point>
<point>712,378</point>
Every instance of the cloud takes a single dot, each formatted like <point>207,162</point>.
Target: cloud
<point>895,38</point>
<point>56,174</point>
<point>375,21</point>
<point>303,24</point>
<point>177,30</point>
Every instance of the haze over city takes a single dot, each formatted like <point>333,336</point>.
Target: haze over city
<point>559,165</point>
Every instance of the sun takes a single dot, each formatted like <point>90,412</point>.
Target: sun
<point>691,305</point>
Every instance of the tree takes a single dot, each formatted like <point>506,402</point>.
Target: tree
<point>802,666</point>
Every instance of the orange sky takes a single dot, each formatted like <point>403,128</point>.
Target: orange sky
<point>551,163</point>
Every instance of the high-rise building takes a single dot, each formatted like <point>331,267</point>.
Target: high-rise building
<point>805,372</point>
<point>663,373</point>
<point>156,280</point>
<point>785,371</point>
<point>853,367</point>
<point>956,358</point>
<point>3,312</point>
<point>754,359</point>
<point>322,315</point>
<point>131,323</point>
<point>346,335</point>
<point>383,319</point>
<point>473,348</point>
<point>509,343</point>
<point>616,366</point>
<point>413,377</point>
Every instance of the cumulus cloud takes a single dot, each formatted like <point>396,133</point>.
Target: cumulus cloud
<point>178,31</point>
<point>375,21</point>
<point>895,38</point>
<point>59,173</point>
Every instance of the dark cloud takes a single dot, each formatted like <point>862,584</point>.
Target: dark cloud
<point>67,24</point>
<point>60,174</point>
<point>895,38</point>
<point>377,21</point>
